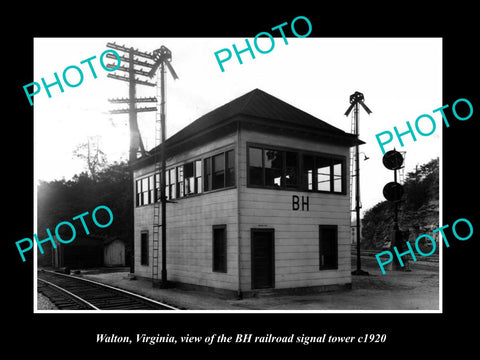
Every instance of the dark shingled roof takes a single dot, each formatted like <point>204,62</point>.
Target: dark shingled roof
<point>258,104</point>
<point>258,107</point>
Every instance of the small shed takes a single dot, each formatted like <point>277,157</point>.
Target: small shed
<point>89,252</point>
<point>83,252</point>
<point>113,252</point>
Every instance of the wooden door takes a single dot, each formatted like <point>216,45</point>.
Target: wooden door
<point>263,265</point>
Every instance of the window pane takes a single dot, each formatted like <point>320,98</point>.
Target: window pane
<point>337,176</point>
<point>291,170</point>
<point>255,166</point>
<point>189,186</point>
<point>218,162</point>
<point>179,181</point>
<point>218,180</point>
<point>308,172</point>
<point>188,170</point>
<point>138,192</point>
<point>198,176</point>
<point>323,173</point>
<point>144,199</point>
<point>145,184</point>
<point>189,178</point>
<point>179,173</point>
<point>198,184</point>
<point>208,174</point>
<point>151,184</point>
<point>255,157</point>
<point>198,168</point>
<point>273,167</point>
<point>172,192</point>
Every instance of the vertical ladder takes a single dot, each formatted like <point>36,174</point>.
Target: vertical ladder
<point>156,191</point>
<point>352,163</point>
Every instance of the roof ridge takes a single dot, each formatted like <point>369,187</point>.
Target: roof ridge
<point>250,95</point>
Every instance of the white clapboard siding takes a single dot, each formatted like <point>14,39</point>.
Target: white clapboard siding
<point>296,234</point>
<point>189,229</point>
<point>296,238</point>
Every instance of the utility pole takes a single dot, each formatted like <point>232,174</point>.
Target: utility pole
<point>355,99</point>
<point>136,66</point>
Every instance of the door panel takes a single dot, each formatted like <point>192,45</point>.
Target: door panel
<point>262,245</point>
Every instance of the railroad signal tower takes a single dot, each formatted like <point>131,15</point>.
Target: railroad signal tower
<point>393,192</point>
<point>355,99</point>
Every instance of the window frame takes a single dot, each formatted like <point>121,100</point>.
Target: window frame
<point>175,180</point>
<point>198,176</point>
<point>216,172</point>
<point>222,267</point>
<point>146,196</point>
<point>302,182</point>
<point>189,181</point>
<point>144,248</point>
<point>229,177</point>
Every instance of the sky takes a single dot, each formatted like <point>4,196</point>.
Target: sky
<point>401,79</point>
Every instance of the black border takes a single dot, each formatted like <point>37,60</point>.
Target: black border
<point>406,333</point>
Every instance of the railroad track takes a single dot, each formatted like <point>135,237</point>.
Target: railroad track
<point>73,293</point>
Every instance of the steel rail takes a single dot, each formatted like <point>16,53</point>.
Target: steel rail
<point>113,289</point>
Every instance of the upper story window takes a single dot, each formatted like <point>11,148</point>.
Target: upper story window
<point>273,168</point>
<point>219,171</point>
<point>171,184</point>
<point>188,179</point>
<point>189,176</point>
<point>192,177</point>
<point>146,192</point>
<point>284,169</point>
<point>323,173</point>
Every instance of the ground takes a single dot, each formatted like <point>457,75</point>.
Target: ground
<point>44,303</point>
<point>396,290</point>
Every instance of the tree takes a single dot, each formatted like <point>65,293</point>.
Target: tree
<point>60,200</point>
<point>90,152</point>
<point>418,209</point>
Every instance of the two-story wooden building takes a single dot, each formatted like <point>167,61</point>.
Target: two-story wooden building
<point>261,200</point>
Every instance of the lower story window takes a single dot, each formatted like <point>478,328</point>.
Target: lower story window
<point>144,248</point>
<point>328,247</point>
<point>219,248</point>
